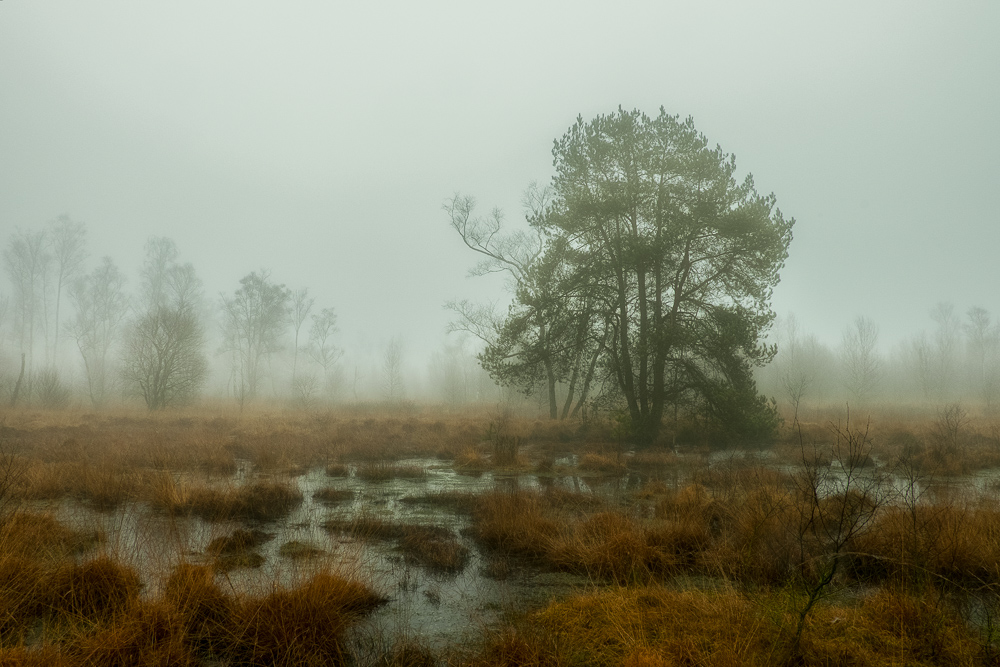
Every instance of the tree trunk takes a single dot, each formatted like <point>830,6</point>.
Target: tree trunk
<point>17,386</point>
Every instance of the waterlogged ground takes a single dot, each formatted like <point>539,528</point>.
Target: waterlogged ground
<point>437,608</point>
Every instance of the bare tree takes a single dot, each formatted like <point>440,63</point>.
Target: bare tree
<point>164,359</point>
<point>796,373</point>
<point>302,304</point>
<point>164,356</point>
<point>861,361</point>
<point>67,239</point>
<point>101,305</point>
<point>256,316</point>
<point>946,341</point>
<point>27,260</point>
<point>921,361</point>
<point>983,340</point>
<point>321,347</point>
<point>836,504</point>
<point>161,258</point>
<point>392,372</point>
<point>516,253</point>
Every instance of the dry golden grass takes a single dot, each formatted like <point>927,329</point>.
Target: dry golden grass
<point>97,589</point>
<point>301,626</point>
<point>950,544</point>
<point>257,501</point>
<point>514,523</point>
<point>39,536</point>
<point>654,626</point>
<point>601,463</point>
<point>471,459</point>
<point>93,615</point>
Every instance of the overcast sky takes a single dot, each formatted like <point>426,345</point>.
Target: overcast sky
<point>320,139</point>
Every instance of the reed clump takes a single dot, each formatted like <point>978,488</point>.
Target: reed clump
<point>96,589</point>
<point>514,523</point>
<point>301,626</point>
<point>260,502</point>
<point>383,471</point>
<point>238,549</point>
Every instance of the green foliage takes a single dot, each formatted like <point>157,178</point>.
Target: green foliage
<point>654,269</point>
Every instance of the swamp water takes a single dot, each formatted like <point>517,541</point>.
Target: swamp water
<point>435,608</point>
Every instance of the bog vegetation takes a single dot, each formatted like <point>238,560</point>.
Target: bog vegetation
<point>197,484</point>
<point>129,538</point>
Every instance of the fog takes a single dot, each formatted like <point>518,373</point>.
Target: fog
<point>318,142</point>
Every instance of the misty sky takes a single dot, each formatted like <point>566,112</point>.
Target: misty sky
<point>320,139</point>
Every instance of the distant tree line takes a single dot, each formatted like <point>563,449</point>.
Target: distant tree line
<point>60,318</point>
<point>956,359</point>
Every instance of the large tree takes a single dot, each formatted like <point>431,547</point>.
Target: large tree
<point>675,258</point>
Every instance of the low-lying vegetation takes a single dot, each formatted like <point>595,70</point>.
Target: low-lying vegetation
<point>841,544</point>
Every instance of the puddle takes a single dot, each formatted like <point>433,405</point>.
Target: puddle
<point>438,609</point>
